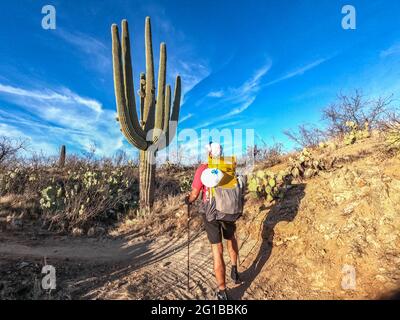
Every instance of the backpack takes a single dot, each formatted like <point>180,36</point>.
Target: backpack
<point>229,193</point>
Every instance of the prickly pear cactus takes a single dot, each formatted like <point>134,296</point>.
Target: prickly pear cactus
<point>355,133</point>
<point>185,184</point>
<point>268,185</point>
<point>329,145</point>
<point>305,165</point>
<point>393,137</point>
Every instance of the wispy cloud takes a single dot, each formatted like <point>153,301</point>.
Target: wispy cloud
<point>32,143</point>
<point>184,118</point>
<point>393,50</point>
<point>298,72</point>
<point>66,96</point>
<point>64,116</point>
<point>216,94</point>
<point>231,124</point>
<point>245,95</point>
<point>27,121</point>
<point>96,53</point>
<point>244,106</point>
<point>191,73</point>
<point>239,98</point>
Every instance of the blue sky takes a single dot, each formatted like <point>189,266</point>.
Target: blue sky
<point>258,64</point>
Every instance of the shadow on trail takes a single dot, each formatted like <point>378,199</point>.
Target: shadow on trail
<point>394,295</point>
<point>284,210</point>
<point>141,258</point>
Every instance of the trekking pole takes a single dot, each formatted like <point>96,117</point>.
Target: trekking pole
<point>238,253</point>
<point>188,247</point>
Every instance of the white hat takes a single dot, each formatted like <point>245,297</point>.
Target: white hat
<point>214,149</point>
<point>211,177</point>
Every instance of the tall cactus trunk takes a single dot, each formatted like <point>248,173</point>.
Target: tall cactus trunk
<point>61,160</point>
<point>147,170</point>
<point>158,120</point>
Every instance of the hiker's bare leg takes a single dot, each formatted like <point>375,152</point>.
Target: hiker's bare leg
<point>233,250</point>
<point>219,265</point>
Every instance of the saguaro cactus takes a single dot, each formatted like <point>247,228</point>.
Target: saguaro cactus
<point>61,160</point>
<point>157,125</point>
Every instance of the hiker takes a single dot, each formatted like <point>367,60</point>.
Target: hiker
<point>217,223</point>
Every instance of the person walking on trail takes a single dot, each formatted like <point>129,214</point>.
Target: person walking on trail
<point>222,206</point>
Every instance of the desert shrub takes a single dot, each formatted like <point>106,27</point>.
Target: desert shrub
<point>355,108</point>
<point>267,156</point>
<point>185,184</point>
<point>14,180</point>
<point>391,130</point>
<point>86,195</point>
<point>306,136</point>
<point>80,194</point>
<point>9,148</point>
<point>171,167</point>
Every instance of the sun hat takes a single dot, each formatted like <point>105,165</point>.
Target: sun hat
<point>214,149</point>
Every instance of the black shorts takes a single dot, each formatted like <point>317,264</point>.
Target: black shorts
<point>217,228</point>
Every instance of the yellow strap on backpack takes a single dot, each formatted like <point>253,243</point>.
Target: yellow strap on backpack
<point>228,166</point>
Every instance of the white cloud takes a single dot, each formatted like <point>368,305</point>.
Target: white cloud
<point>66,96</point>
<point>298,72</point>
<point>10,131</point>
<point>393,50</point>
<point>191,73</point>
<point>13,119</point>
<point>184,118</point>
<point>62,116</point>
<point>244,106</point>
<point>216,94</point>
<point>97,54</point>
<point>240,98</point>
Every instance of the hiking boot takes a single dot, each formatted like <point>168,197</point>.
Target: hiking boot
<point>235,275</point>
<point>222,295</point>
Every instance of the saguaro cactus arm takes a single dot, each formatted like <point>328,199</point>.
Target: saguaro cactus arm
<point>129,124</point>
<point>128,79</point>
<point>167,112</point>
<point>142,95</point>
<point>149,105</point>
<point>160,105</point>
<point>170,134</point>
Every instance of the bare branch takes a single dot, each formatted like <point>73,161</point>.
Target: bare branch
<point>305,136</point>
<point>356,108</point>
<point>9,148</point>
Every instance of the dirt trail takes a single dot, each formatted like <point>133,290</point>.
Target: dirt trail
<point>123,268</point>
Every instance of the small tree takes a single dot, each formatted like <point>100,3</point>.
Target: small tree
<point>391,129</point>
<point>355,108</point>
<point>306,136</point>
<point>268,155</point>
<point>9,148</point>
